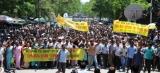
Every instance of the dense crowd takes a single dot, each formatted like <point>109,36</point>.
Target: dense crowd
<point>104,48</point>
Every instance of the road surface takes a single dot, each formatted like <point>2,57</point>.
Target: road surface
<point>67,71</point>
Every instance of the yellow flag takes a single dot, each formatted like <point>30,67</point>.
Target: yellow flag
<point>80,26</point>
<point>60,20</point>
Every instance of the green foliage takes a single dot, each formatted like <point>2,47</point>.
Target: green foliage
<point>114,8</point>
<point>110,8</point>
<point>142,3</point>
<point>87,8</point>
<point>33,8</point>
<point>45,8</point>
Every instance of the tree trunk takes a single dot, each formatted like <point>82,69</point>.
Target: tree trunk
<point>100,16</point>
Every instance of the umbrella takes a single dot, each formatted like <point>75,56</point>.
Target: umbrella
<point>40,20</point>
<point>152,26</point>
<point>6,18</point>
<point>19,21</point>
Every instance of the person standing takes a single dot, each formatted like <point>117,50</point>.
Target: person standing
<point>138,61</point>
<point>17,55</point>
<point>105,52</point>
<point>123,56</point>
<point>92,55</point>
<point>99,47</point>
<point>111,53</point>
<point>117,56</point>
<point>1,55</point>
<point>148,56</point>
<point>158,54</point>
<point>62,59</point>
<point>9,56</point>
<point>130,53</point>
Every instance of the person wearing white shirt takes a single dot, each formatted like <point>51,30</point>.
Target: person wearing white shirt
<point>111,53</point>
<point>1,56</point>
<point>58,45</point>
<point>123,54</point>
<point>69,45</point>
<point>105,52</point>
<point>62,59</point>
<point>99,47</point>
<point>117,56</point>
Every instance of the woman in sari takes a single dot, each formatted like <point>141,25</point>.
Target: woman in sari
<point>9,56</point>
<point>17,55</point>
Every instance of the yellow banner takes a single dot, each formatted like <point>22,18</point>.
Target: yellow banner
<point>129,27</point>
<point>50,54</point>
<point>80,26</point>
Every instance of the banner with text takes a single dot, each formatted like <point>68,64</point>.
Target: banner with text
<point>80,26</point>
<point>50,54</point>
<point>129,27</point>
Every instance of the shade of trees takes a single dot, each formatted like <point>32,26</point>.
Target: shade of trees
<point>38,8</point>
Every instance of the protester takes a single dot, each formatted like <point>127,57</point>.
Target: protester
<point>158,54</point>
<point>105,52</point>
<point>1,55</point>
<point>148,56</point>
<point>9,56</point>
<point>130,53</point>
<point>117,62</point>
<point>97,70</point>
<point>62,55</point>
<point>92,55</point>
<point>123,57</point>
<point>137,61</point>
<point>99,47</point>
<point>112,69</point>
<point>102,46</point>
<point>82,68</point>
<point>17,55</point>
<point>111,53</point>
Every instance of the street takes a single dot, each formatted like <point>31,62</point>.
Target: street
<point>67,71</point>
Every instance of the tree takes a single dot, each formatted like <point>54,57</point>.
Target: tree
<point>69,6</point>
<point>103,8</point>
<point>87,8</point>
<point>110,8</point>
<point>33,8</point>
<point>114,8</point>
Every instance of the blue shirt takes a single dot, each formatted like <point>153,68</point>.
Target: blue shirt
<point>138,59</point>
<point>130,52</point>
<point>63,55</point>
<point>148,53</point>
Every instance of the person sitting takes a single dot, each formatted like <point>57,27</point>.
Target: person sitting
<point>112,69</point>
<point>82,68</point>
<point>97,70</point>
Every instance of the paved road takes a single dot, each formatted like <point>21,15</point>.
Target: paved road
<point>54,71</point>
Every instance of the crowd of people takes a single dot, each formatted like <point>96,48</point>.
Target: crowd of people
<point>104,48</point>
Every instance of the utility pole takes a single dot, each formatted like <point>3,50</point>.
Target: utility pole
<point>151,14</point>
